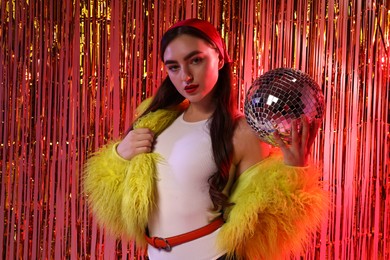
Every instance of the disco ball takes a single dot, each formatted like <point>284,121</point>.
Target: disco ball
<point>279,96</point>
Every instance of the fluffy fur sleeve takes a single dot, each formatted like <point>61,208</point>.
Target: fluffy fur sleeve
<point>104,175</point>
<point>276,208</point>
<point>121,193</point>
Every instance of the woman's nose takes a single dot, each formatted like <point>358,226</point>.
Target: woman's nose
<point>187,76</point>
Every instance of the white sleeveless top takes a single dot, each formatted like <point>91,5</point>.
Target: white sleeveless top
<point>183,200</point>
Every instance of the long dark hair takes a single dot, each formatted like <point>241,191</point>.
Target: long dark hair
<point>222,122</point>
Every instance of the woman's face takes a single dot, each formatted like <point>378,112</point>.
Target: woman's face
<point>192,65</point>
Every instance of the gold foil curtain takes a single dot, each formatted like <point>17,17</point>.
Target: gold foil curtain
<point>72,72</point>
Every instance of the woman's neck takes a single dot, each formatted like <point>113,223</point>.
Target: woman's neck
<point>197,112</point>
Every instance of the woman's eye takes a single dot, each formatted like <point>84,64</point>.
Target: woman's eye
<point>173,68</point>
<point>196,60</point>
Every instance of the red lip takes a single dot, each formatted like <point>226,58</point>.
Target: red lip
<point>191,88</point>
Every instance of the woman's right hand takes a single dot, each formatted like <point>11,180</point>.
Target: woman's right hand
<point>137,141</point>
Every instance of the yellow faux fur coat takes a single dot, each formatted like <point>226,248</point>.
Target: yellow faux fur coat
<point>276,207</point>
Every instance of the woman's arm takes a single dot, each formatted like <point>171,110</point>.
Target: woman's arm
<point>276,206</point>
<point>103,178</point>
<point>121,193</point>
<point>248,149</point>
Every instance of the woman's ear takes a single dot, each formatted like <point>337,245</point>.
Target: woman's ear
<point>220,63</point>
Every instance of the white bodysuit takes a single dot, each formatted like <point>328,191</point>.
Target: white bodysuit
<point>183,200</point>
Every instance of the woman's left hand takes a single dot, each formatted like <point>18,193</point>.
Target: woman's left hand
<point>302,138</point>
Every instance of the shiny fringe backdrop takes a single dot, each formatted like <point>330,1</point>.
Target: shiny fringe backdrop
<point>72,72</point>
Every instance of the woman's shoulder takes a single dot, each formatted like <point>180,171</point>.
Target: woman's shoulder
<point>248,148</point>
<point>243,131</point>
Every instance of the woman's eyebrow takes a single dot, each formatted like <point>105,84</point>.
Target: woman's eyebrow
<point>189,55</point>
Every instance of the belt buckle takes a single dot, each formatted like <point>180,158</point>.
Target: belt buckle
<point>168,247</point>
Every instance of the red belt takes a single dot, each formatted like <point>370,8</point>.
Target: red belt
<point>169,242</point>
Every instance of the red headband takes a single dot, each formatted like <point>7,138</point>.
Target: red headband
<point>209,30</point>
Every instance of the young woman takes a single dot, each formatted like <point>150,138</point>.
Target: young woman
<point>191,180</point>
